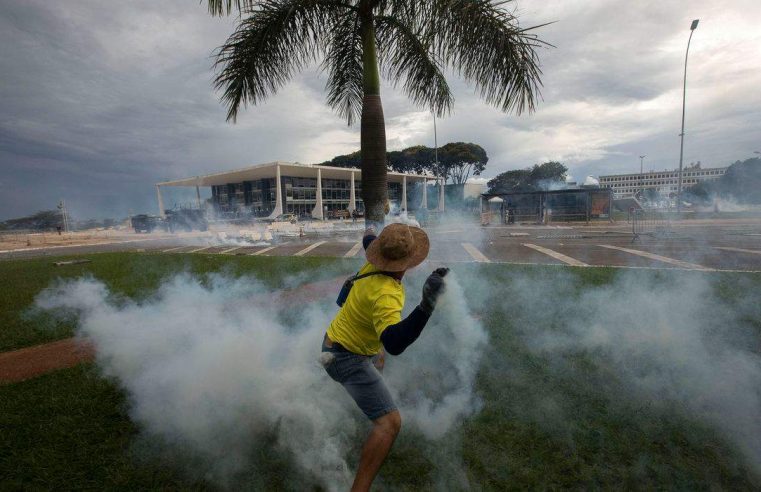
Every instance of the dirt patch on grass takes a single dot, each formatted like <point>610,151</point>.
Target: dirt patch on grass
<point>26,363</point>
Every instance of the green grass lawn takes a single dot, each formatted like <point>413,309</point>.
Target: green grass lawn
<point>545,423</point>
<point>130,274</point>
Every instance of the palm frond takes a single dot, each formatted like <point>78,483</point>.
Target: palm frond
<point>343,62</point>
<point>405,55</point>
<point>225,7</point>
<point>274,40</point>
<point>482,41</point>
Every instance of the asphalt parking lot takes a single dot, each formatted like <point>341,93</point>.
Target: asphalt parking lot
<point>731,245</point>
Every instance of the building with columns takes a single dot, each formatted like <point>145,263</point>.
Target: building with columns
<point>274,188</point>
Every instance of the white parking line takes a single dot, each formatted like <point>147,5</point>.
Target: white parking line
<point>475,254</point>
<point>262,251</point>
<point>173,249</point>
<point>199,249</point>
<point>739,250</point>
<point>353,251</point>
<point>558,256</point>
<point>665,259</point>
<point>309,248</point>
<point>230,250</point>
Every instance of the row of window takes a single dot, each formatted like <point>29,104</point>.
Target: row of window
<point>262,193</point>
<point>637,177</point>
<point>650,184</point>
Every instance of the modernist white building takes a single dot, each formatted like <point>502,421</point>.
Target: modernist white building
<point>274,188</point>
<point>665,182</point>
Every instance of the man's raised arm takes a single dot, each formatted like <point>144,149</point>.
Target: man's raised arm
<point>397,337</point>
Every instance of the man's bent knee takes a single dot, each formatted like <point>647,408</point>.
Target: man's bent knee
<point>390,423</point>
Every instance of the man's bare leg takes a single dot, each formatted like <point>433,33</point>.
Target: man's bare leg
<point>375,449</point>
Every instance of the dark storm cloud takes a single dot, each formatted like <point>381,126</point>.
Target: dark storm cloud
<point>99,101</point>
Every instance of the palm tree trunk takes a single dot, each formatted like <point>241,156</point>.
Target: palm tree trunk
<point>373,130</point>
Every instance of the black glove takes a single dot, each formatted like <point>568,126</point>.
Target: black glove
<point>433,287</point>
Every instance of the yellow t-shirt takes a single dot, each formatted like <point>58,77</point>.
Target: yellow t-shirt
<point>373,304</point>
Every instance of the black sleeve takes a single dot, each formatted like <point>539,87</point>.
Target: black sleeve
<point>367,240</point>
<point>396,338</point>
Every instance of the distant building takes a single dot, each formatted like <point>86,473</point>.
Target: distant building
<point>303,189</point>
<point>474,187</point>
<point>577,204</point>
<point>665,182</point>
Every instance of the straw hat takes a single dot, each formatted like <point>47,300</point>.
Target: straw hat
<point>399,247</point>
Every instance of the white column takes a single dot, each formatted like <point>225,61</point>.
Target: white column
<point>352,195</point>
<point>317,210</point>
<point>161,202</point>
<point>441,195</point>
<point>424,203</point>
<point>279,198</point>
<point>404,193</point>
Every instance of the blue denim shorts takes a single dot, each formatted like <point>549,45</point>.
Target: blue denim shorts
<point>362,381</point>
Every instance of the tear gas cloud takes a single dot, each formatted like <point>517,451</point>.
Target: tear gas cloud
<point>212,366</point>
<point>673,341</point>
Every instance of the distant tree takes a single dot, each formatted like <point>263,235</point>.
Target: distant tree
<point>701,192</point>
<point>545,175</point>
<point>742,181</point>
<point>538,177</point>
<point>417,159</point>
<point>513,180</point>
<point>459,159</point>
<point>456,161</point>
<point>348,160</point>
<point>40,221</point>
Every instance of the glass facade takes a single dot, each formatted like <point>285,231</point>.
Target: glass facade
<point>258,197</point>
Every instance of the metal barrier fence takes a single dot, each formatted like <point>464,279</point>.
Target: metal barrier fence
<point>654,223</point>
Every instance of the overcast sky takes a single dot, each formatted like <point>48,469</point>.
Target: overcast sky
<point>100,100</point>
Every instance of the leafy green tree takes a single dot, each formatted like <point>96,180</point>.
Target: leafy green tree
<point>40,221</point>
<point>539,177</point>
<point>545,175</point>
<point>513,180</point>
<point>700,192</point>
<point>415,159</point>
<point>456,161</point>
<point>742,181</point>
<point>459,159</point>
<point>412,42</point>
<point>347,160</point>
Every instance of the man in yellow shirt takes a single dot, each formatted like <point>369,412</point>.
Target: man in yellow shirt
<point>369,321</point>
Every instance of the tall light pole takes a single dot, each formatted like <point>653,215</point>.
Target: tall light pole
<point>684,99</point>
<point>440,206</point>
<point>641,177</point>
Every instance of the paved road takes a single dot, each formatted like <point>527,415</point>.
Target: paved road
<point>717,246</point>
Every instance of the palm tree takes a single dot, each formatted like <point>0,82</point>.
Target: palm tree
<point>411,41</point>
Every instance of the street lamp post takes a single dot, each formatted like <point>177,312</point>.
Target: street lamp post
<point>641,177</point>
<point>684,99</point>
<point>440,206</point>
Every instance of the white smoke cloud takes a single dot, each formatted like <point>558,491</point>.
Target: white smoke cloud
<point>214,368</point>
<point>670,341</point>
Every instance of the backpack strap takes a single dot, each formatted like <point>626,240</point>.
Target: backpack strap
<point>358,276</point>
